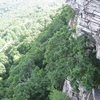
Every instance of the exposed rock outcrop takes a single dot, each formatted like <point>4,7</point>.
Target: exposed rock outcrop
<point>81,95</point>
<point>88,19</point>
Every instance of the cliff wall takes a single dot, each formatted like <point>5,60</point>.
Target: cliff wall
<point>87,21</point>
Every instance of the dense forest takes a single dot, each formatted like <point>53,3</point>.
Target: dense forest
<point>41,54</point>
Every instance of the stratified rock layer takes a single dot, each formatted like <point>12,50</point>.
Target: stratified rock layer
<point>88,19</point>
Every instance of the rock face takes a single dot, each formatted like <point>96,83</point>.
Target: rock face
<point>88,19</point>
<point>96,93</point>
<point>81,95</point>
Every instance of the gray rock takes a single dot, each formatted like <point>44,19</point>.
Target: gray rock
<point>88,22</point>
<point>96,93</point>
<point>82,95</point>
<point>88,18</point>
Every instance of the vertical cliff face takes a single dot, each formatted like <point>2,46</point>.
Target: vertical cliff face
<point>87,20</point>
<point>83,94</point>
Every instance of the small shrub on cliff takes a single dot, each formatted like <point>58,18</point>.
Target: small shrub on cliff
<point>58,95</point>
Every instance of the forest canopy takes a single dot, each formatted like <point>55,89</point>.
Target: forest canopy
<point>36,70</point>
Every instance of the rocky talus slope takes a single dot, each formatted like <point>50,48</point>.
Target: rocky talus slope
<point>87,20</point>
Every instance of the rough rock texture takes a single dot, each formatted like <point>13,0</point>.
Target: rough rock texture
<point>96,93</point>
<point>88,19</point>
<point>81,95</point>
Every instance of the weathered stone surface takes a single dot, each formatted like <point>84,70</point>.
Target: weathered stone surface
<point>96,93</point>
<point>88,18</point>
<point>82,95</point>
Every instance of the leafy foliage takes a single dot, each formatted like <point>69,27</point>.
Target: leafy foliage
<point>54,55</point>
<point>58,95</point>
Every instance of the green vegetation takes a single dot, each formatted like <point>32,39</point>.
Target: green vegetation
<point>58,95</point>
<point>36,70</point>
<point>17,33</point>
